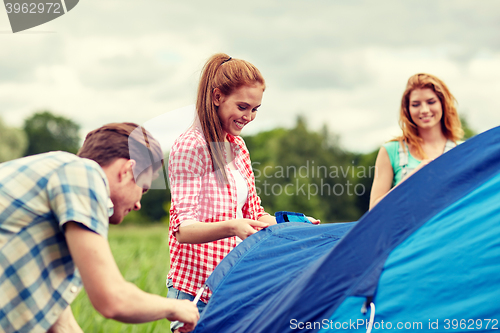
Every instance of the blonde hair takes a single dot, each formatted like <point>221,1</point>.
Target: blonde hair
<point>450,121</point>
<point>227,74</point>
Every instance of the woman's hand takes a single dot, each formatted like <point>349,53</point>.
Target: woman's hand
<point>420,166</point>
<point>313,220</point>
<point>195,232</point>
<point>246,227</point>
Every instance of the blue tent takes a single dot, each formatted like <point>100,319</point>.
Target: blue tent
<point>427,256</point>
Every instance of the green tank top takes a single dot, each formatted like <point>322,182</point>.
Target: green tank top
<point>402,165</point>
<point>392,148</point>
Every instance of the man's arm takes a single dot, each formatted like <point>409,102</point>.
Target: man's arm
<point>108,291</point>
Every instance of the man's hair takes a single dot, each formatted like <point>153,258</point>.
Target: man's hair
<point>123,140</point>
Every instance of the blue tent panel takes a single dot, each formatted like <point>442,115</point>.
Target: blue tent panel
<point>448,269</point>
<point>431,244</point>
<point>267,260</point>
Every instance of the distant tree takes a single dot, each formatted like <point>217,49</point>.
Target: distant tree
<point>48,132</point>
<point>468,131</point>
<point>365,164</point>
<point>153,208</point>
<point>155,204</point>
<point>304,171</point>
<point>13,142</point>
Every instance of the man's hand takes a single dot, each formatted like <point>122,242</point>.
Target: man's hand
<point>186,312</point>
<point>108,291</point>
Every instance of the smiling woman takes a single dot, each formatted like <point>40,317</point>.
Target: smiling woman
<point>239,108</point>
<point>426,110</point>
<point>431,126</point>
<point>214,201</point>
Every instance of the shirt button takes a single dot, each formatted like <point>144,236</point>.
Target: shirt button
<point>55,312</point>
<point>74,289</point>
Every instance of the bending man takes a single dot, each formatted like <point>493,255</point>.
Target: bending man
<point>55,209</point>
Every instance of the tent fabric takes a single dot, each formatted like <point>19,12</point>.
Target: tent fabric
<point>266,261</point>
<point>448,269</point>
<point>429,251</point>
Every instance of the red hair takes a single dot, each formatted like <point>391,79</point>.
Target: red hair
<point>450,121</point>
<point>227,74</point>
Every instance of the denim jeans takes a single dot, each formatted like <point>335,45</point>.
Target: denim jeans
<point>177,294</point>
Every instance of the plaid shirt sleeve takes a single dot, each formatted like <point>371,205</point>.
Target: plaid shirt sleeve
<point>38,194</point>
<point>197,195</point>
<point>78,193</point>
<point>185,171</point>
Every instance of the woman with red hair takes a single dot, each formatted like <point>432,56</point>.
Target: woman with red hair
<point>431,126</point>
<point>214,200</point>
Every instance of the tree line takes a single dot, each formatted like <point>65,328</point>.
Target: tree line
<point>296,169</point>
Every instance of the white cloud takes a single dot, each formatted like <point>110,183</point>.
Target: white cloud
<point>340,63</point>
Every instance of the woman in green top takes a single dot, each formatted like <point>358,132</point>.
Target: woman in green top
<point>431,126</point>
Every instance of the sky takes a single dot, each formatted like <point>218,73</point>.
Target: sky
<point>343,64</point>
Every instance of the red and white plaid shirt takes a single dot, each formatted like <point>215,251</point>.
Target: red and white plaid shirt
<point>197,195</point>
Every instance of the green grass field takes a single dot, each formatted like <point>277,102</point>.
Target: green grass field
<point>141,253</point>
